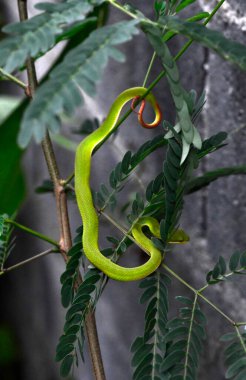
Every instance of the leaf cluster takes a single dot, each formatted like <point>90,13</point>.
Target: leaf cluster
<point>173,191</point>
<point>6,243</point>
<point>80,299</point>
<point>237,266</point>
<point>122,170</point>
<point>214,40</point>
<point>82,67</point>
<point>70,275</point>
<point>235,355</point>
<point>73,337</point>
<point>184,339</point>
<point>39,33</point>
<point>147,350</point>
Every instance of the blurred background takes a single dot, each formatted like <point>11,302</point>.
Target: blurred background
<point>31,317</point>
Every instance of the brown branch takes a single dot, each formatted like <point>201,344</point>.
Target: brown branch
<point>27,261</point>
<point>62,210</point>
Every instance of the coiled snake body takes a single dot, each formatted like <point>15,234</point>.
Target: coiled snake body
<point>85,202</point>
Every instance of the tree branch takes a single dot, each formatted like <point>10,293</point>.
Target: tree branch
<point>62,210</point>
<point>24,262</point>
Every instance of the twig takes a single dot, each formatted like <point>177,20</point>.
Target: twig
<point>13,79</point>
<point>172,273</point>
<point>36,257</point>
<point>61,204</point>
<point>163,73</point>
<point>175,275</point>
<point>32,232</point>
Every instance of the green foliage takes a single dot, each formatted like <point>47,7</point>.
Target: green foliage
<point>212,144</point>
<point>237,265</point>
<point>73,338</point>
<point>189,133</point>
<point>82,67</point>
<point>70,276</point>
<point>11,177</point>
<point>198,183</point>
<point>171,7</point>
<point>235,355</point>
<point>6,244</point>
<point>229,50</point>
<point>80,299</point>
<point>12,187</point>
<point>123,169</point>
<point>184,341</point>
<point>38,34</point>
<point>183,4</point>
<point>173,195</point>
<point>148,350</point>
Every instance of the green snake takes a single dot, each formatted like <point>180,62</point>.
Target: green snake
<point>85,202</point>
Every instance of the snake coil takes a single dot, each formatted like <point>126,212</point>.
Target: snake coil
<point>85,202</point>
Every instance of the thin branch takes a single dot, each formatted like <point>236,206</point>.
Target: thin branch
<point>175,275</point>
<point>189,337</point>
<point>240,338</point>
<point>158,78</point>
<point>13,79</point>
<point>240,324</point>
<point>163,73</point>
<point>32,232</point>
<point>170,271</point>
<point>123,9</point>
<point>62,210</point>
<point>27,261</point>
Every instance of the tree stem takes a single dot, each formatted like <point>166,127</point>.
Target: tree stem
<point>163,73</point>
<point>12,78</point>
<point>62,210</point>
<point>24,262</point>
<point>175,275</point>
<point>32,232</point>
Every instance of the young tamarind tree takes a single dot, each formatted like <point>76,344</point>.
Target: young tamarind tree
<point>169,348</point>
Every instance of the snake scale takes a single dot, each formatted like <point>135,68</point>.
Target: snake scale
<point>85,202</point>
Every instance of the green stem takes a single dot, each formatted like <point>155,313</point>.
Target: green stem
<point>24,262</point>
<point>67,180</point>
<point>122,9</point>
<point>63,217</point>
<point>189,337</point>
<point>225,276</point>
<point>240,324</point>
<point>32,232</point>
<point>175,275</point>
<point>163,73</point>
<point>13,79</point>
<point>114,223</point>
<point>203,288</point>
<point>149,69</point>
<point>170,271</point>
<point>240,338</point>
<point>64,142</point>
<point>214,11</point>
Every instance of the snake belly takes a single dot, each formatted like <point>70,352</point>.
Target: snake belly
<point>85,202</point>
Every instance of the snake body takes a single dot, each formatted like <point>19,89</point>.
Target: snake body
<point>85,201</point>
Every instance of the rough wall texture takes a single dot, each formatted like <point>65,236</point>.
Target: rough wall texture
<point>215,218</point>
